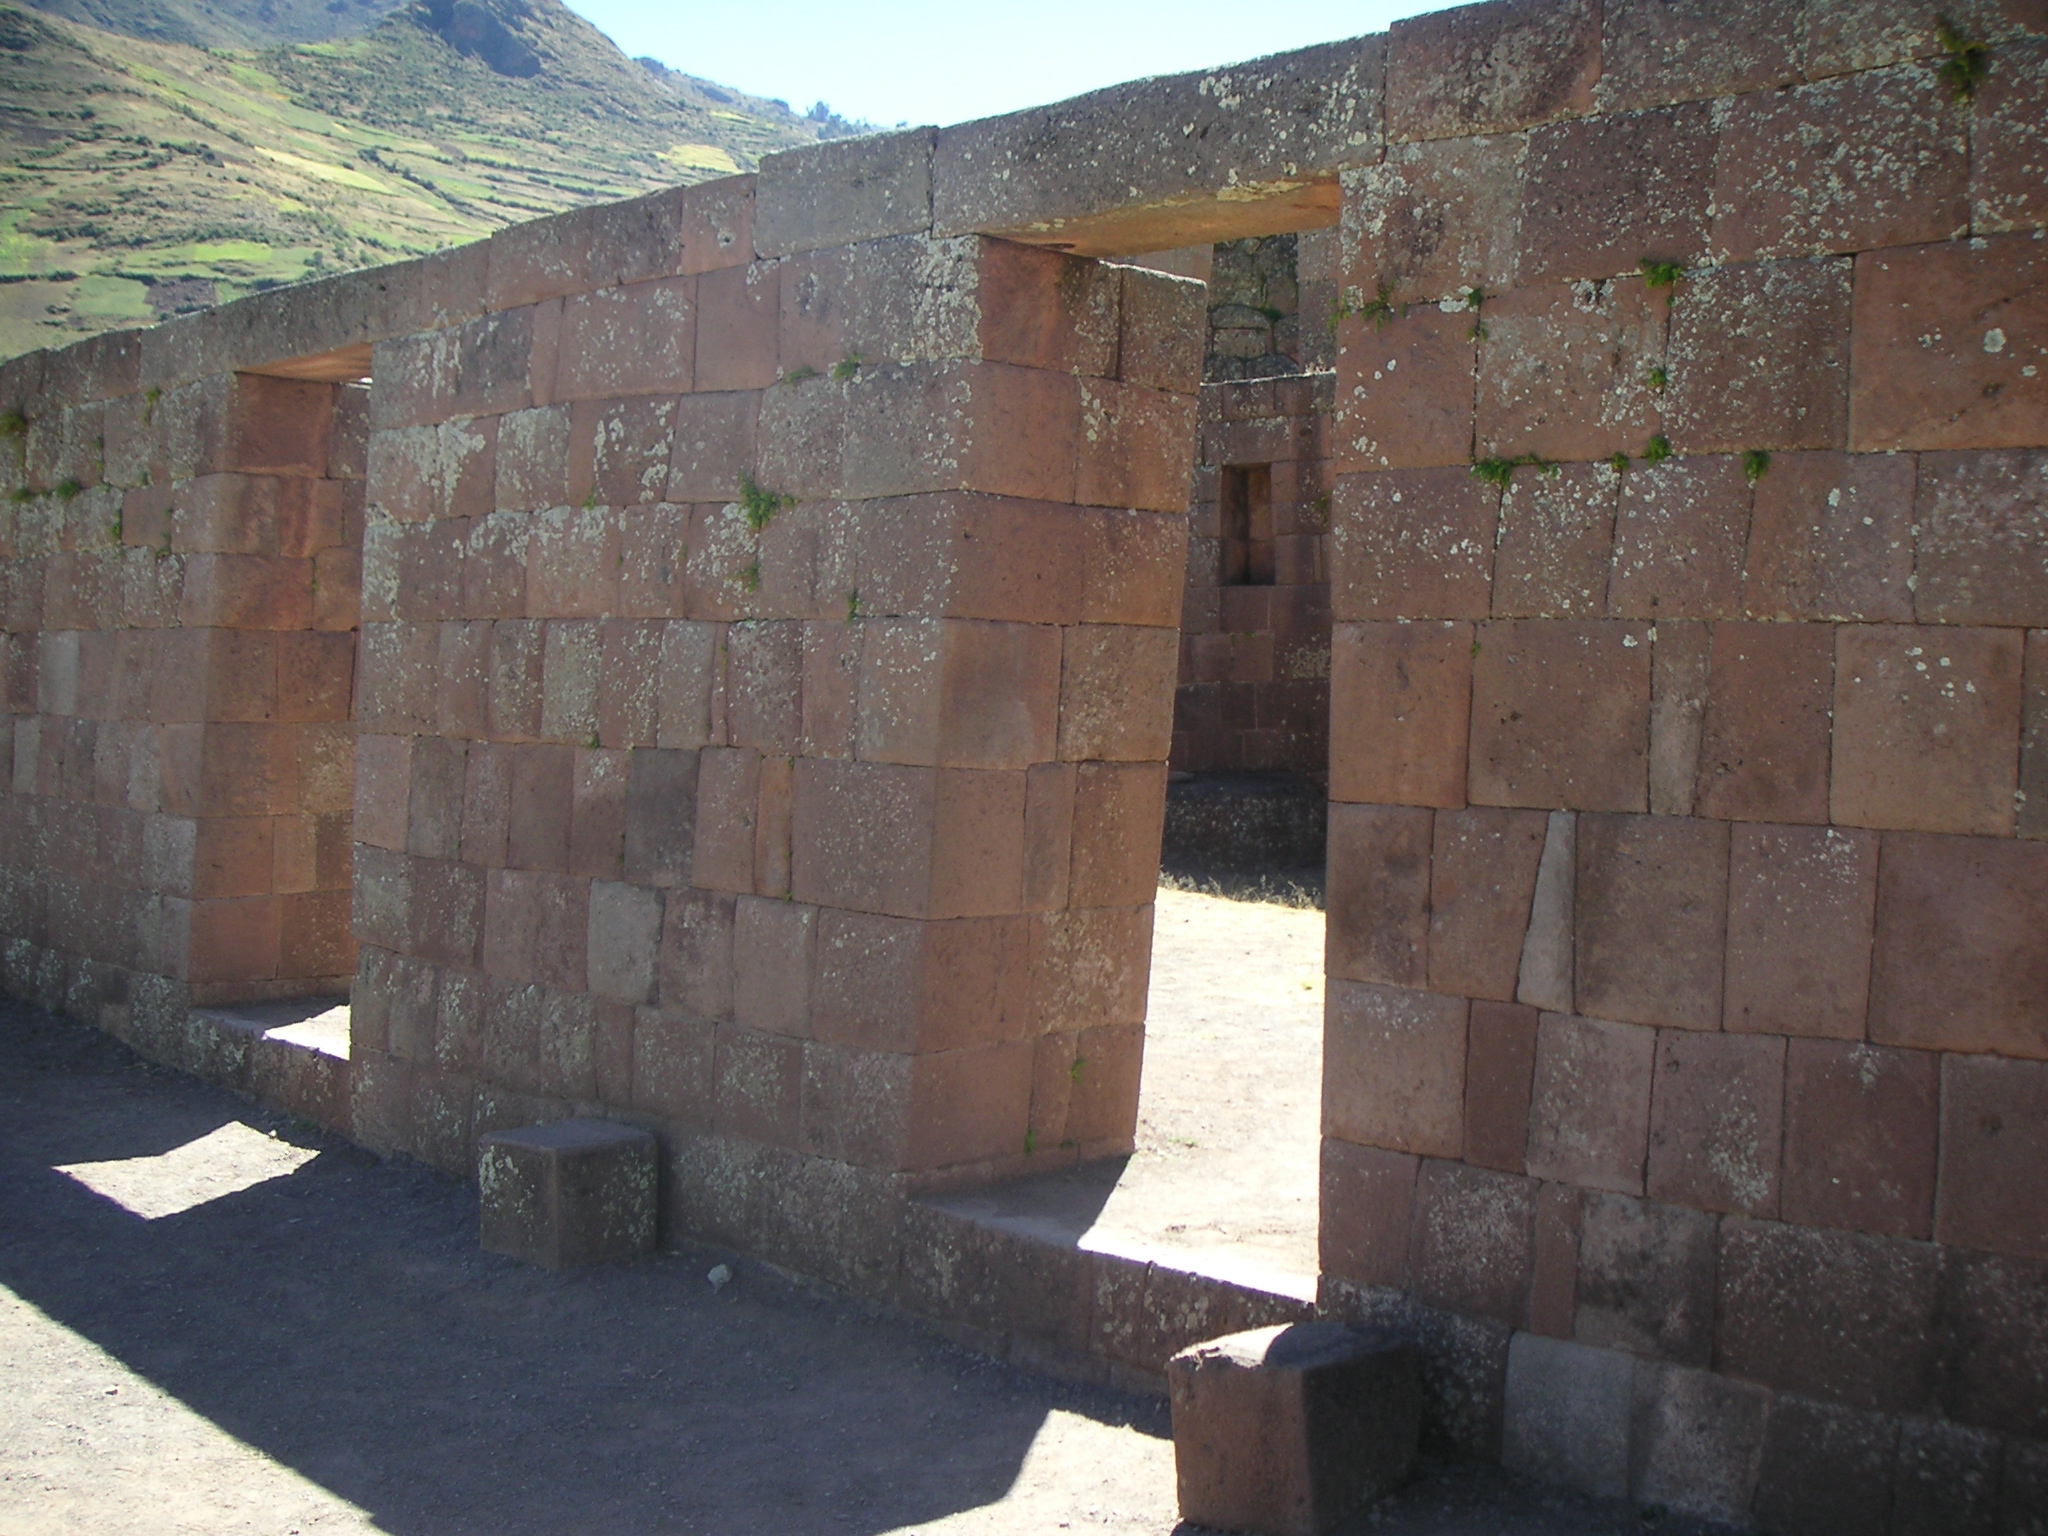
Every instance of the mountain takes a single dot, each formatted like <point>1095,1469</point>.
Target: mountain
<point>228,24</point>
<point>142,175</point>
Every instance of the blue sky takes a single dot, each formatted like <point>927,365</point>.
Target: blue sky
<point>921,61</point>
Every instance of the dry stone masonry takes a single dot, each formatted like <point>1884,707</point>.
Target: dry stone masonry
<point>719,676</point>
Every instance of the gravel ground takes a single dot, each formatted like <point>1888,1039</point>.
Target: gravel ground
<point>216,1321</point>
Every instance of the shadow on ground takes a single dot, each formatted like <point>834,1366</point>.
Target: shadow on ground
<point>342,1321</point>
<point>326,1352</point>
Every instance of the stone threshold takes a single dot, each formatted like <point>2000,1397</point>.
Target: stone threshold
<point>290,1054</point>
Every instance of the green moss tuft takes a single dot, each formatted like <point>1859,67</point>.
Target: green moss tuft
<point>760,506</point>
<point>1968,61</point>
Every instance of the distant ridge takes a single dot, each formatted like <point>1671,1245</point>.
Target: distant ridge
<point>154,160</point>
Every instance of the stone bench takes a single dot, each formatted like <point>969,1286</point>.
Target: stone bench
<point>1288,1431</point>
<point>571,1192</point>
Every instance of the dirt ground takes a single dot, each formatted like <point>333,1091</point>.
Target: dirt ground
<point>215,1321</point>
<point>1230,1107</point>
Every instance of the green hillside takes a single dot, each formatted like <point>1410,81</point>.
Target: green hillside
<point>141,178</point>
<point>224,23</point>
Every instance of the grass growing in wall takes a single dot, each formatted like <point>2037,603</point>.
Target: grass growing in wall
<point>1501,472</point>
<point>1967,63</point>
<point>760,506</point>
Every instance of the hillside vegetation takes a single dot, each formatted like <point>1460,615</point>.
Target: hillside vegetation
<point>140,178</point>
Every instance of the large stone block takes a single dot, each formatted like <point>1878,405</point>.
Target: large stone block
<point>573,1192</point>
<point>1960,965</point>
<point>1945,336</point>
<point>1560,715</point>
<point>839,193</point>
<point>1927,725</point>
<point>1176,161</point>
<point>1491,68</point>
<point>1288,1431</point>
<point>1864,161</point>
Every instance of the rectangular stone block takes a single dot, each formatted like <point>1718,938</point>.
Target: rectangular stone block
<point>1567,1414</point>
<point>1473,1242</point>
<point>1565,371</point>
<point>636,340</point>
<point>1927,727</point>
<point>1560,715</point>
<point>1999,1346</point>
<point>1825,1469</point>
<point>1717,1122</point>
<point>737,313</point>
<point>1292,1430</point>
<point>1994,1146</point>
<point>1801,904</point>
<point>1646,1279</point>
<point>1405,390</point>
<point>1500,1064</point>
<point>1436,217</point>
<point>1832,1315</point>
<point>1651,921</point>
<point>1694,1441</point>
<point>1491,68</point>
<point>1413,544</point>
<point>1138,167</point>
<point>1367,1212</point>
<point>1759,358</point>
<point>1959,963</point>
<point>1765,740</point>
<point>1654,52</point>
<point>1678,540</point>
<point>1589,1106</point>
<point>1981,305</point>
<point>1604,192</point>
<point>1482,881</point>
<point>2006,153</point>
<point>839,193</point>
<point>574,1192</point>
<point>1116,692</point>
<point>1400,711</point>
<point>1830,538</point>
<point>1379,893</point>
<point>1982,549</point>
<point>1860,1137</point>
<point>1394,1068</point>
<point>1896,160</point>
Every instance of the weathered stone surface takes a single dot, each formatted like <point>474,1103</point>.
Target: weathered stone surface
<point>572,1192</point>
<point>1568,1410</point>
<point>1289,1431</point>
<point>844,191</point>
<point>1144,167</point>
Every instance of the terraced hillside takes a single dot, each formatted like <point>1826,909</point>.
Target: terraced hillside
<point>139,178</point>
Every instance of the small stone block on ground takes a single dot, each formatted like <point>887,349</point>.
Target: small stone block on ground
<point>573,1192</point>
<point>1289,1431</point>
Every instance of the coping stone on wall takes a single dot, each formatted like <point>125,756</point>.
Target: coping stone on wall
<point>1173,161</point>
<point>843,191</point>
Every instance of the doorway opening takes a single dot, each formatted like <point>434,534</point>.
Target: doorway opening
<point>277,955</point>
<point>1223,1178</point>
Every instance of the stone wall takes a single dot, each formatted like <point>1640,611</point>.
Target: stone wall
<point>1686,1060</point>
<point>1254,693</point>
<point>1688,1029</point>
<point>181,570</point>
<point>764,725</point>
